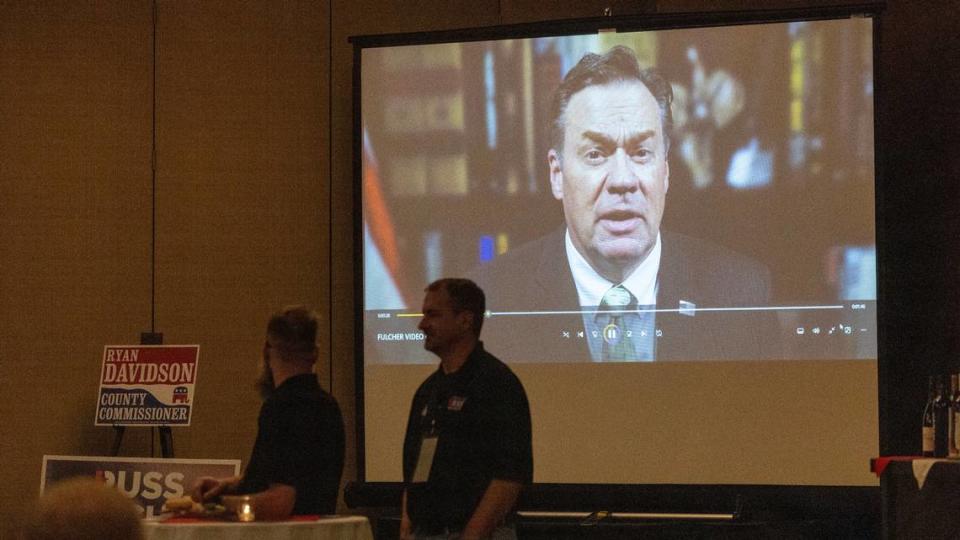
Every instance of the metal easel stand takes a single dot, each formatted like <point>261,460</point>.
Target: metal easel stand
<point>166,440</point>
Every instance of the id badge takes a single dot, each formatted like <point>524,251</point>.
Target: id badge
<point>428,447</point>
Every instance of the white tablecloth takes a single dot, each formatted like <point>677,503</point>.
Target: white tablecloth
<point>326,528</point>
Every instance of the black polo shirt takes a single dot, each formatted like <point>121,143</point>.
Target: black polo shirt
<point>300,442</point>
<point>482,418</point>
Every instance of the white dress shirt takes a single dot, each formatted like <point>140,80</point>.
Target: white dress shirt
<point>642,284</point>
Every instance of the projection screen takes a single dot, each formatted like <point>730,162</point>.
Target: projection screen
<point>745,231</point>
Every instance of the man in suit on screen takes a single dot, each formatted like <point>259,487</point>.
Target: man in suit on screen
<point>611,285</point>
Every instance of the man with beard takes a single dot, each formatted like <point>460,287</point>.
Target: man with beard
<point>467,451</point>
<point>297,459</point>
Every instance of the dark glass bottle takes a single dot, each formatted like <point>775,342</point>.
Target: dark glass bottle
<point>941,417</point>
<point>953,449</point>
<point>928,419</point>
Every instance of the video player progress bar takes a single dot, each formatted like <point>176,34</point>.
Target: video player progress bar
<point>691,309</point>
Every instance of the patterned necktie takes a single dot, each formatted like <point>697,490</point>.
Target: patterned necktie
<point>611,317</point>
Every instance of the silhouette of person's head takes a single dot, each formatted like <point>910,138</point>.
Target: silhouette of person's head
<point>83,509</point>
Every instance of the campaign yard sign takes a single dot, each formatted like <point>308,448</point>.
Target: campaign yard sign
<point>149,482</point>
<point>147,385</point>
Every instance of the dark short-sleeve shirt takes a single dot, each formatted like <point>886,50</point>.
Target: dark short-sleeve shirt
<point>482,418</point>
<point>300,443</point>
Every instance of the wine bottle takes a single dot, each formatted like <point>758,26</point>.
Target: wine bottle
<point>941,415</point>
<point>954,449</point>
<point>928,419</point>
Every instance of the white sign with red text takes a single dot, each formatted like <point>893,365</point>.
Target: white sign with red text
<point>147,385</point>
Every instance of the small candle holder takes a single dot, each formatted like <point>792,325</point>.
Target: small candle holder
<point>245,511</point>
<point>241,505</point>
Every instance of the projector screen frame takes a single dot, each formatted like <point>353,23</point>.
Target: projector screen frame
<point>583,26</point>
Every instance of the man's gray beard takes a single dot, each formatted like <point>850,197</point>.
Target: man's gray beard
<point>264,382</point>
